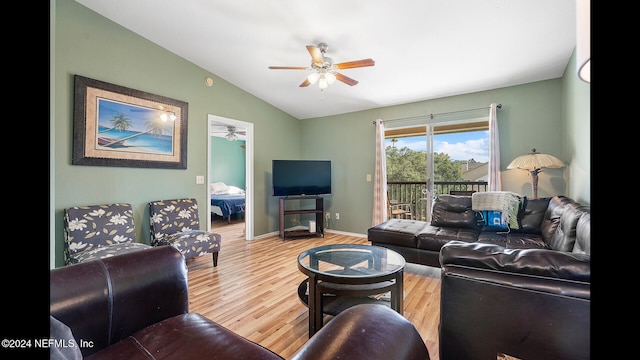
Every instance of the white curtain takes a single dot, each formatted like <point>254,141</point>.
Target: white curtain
<point>495,183</point>
<point>380,178</point>
<point>429,195</point>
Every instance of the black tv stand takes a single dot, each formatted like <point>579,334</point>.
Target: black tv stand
<point>302,231</point>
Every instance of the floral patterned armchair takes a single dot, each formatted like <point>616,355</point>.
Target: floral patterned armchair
<point>99,231</point>
<point>176,223</point>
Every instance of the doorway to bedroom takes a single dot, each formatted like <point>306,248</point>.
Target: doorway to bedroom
<point>230,175</point>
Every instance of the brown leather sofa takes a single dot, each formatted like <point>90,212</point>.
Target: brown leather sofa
<point>525,293</point>
<point>541,225</point>
<point>526,303</point>
<point>135,306</point>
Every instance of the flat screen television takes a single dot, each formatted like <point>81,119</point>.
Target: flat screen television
<point>301,177</point>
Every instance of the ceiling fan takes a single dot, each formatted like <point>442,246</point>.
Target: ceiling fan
<point>325,71</point>
<point>231,133</point>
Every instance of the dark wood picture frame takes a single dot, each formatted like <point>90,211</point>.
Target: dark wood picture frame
<point>118,126</point>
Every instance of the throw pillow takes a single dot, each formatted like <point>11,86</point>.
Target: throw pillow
<point>492,220</point>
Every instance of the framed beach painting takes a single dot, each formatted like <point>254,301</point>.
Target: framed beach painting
<point>117,126</point>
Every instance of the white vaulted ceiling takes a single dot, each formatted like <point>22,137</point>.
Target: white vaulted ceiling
<point>423,49</point>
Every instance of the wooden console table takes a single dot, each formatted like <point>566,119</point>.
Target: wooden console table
<point>318,210</point>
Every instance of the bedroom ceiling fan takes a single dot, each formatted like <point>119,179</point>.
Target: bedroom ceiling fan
<point>231,133</point>
<point>324,70</point>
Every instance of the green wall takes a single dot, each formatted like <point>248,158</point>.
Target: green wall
<point>576,124</point>
<point>551,115</point>
<point>227,159</point>
<point>530,117</point>
<point>90,45</point>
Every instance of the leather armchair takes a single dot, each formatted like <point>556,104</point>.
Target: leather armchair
<point>136,306</point>
<point>527,303</point>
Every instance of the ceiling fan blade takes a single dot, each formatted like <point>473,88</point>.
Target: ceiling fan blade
<point>305,83</point>
<point>316,54</point>
<point>345,79</point>
<point>355,64</point>
<point>288,68</point>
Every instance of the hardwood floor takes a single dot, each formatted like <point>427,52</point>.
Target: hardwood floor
<point>252,291</point>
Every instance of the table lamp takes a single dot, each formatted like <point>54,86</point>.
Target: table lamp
<point>534,162</point>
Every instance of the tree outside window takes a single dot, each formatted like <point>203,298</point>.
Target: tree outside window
<point>407,164</point>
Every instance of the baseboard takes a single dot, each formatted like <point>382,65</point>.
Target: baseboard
<point>276,233</point>
<point>345,233</point>
<point>273,233</point>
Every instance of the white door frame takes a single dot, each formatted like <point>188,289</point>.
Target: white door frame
<point>248,209</point>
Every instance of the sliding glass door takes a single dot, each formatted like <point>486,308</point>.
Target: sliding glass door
<point>454,155</point>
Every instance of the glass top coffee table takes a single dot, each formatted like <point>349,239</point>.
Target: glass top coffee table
<point>344,275</point>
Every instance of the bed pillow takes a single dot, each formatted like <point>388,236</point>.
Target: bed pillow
<point>235,190</point>
<point>219,187</point>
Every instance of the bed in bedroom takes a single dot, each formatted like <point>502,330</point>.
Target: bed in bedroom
<point>226,200</point>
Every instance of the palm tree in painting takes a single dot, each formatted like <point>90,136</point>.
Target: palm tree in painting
<point>156,125</point>
<point>119,122</point>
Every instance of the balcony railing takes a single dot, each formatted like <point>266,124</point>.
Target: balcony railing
<point>412,192</point>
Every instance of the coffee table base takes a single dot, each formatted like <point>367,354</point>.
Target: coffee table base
<point>343,275</point>
<point>335,304</point>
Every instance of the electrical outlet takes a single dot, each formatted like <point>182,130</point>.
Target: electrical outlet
<point>337,216</point>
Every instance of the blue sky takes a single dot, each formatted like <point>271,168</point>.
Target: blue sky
<point>459,146</point>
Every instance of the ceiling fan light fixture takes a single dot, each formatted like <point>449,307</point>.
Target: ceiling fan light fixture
<point>313,77</point>
<point>330,77</point>
<point>323,83</point>
<point>231,133</point>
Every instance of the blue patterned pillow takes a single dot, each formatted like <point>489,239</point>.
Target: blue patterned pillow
<point>491,220</point>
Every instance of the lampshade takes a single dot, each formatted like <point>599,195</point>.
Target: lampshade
<point>331,78</point>
<point>535,160</point>
<point>583,39</point>
<point>313,77</point>
<point>231,136</point>
<point>322,83</point>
